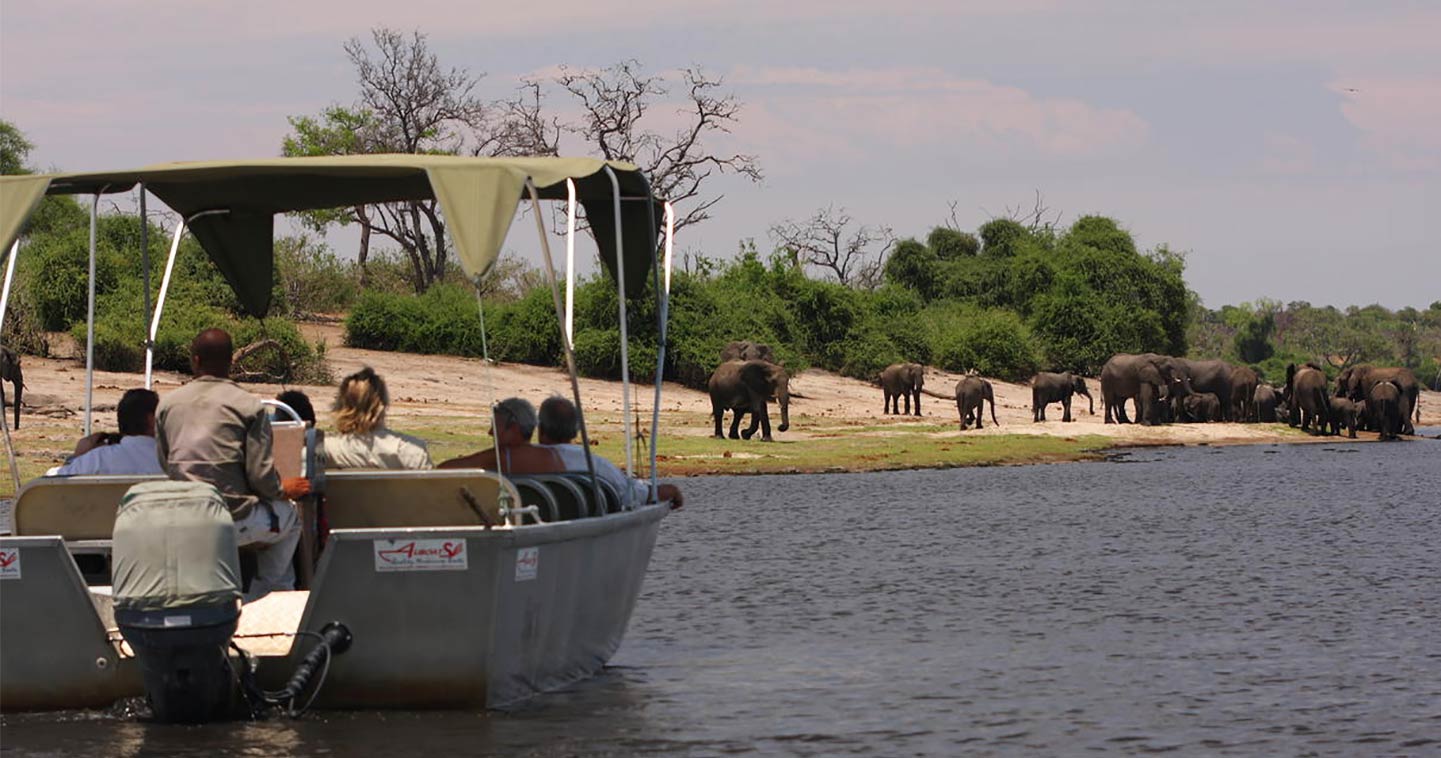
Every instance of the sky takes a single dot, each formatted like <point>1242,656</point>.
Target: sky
<point>1292,148</point>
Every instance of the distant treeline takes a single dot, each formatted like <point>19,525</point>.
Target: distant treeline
<point>1006,301</point>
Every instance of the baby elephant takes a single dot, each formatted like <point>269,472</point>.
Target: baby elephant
<point>1345,414</point>
<point>1202,406</point>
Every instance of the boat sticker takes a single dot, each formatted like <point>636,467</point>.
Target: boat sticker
<point>527,563</point>
<point>420,555</point>
<point>10,563</point>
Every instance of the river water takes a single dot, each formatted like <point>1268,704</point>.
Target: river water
<point>1260,600</point>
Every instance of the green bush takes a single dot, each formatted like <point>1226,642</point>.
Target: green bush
<point>312,278</point>
<point>120,332</point>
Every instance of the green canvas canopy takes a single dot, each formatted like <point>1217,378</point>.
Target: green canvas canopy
<point>478,197</point>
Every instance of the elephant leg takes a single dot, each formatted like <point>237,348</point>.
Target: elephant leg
<point>719,414</point>
<point>756,417</point>
<point>918,402</point>
<point>1066,407</point>
<point>736,424</point>
<point>764,416</point>
<point>908,403</point>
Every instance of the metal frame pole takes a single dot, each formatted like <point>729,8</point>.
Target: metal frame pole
<point>9,278</point>
<point>90,319</point>
<point>624,338</point>
<point>145,263</point>
<point>662,321</point>
<point>160,304</point>
<point>565,341</point>
<point>570,259</point>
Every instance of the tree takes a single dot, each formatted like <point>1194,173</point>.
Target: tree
<point>914,266</point>
<point>950,243</point>
<point>1000,237</point>
<point>407,103</point>
<point>614,101</point>
<point>854,256</point>
<point>14,150</point>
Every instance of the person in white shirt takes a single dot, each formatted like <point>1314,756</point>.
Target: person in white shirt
<point>130,452</point>
<point>363,441</point>
<point>558,425</point>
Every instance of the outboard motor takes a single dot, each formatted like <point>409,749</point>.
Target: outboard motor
<point>177,593</point>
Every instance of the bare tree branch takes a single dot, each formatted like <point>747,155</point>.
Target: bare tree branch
<point>855,257</point>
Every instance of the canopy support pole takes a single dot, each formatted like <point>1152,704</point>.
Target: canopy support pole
<point>663,294</point>
<point>4,306</point>
<point>624,337</point>
<point>570,259</point>
<point>90,319</point>
<point>164,289</point>
<point>565,340</point>
<point>145,267</point>
<point>160,305</point>
<point>9,278</point>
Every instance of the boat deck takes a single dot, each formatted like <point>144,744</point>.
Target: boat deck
<point>267,626</point>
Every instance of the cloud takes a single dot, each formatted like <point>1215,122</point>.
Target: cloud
<point>1397,118</point>
<point>856,110</point>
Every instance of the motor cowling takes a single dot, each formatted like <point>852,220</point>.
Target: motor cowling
<point>177,589</point>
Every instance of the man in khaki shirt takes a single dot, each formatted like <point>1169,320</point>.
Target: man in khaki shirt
<point>213,431</point>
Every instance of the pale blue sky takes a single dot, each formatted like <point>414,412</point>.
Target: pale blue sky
<point>1218,128</point>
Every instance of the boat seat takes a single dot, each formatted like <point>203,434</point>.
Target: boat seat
<point>75,508</point>
<point>573,501</point>
<point>609,495</point>
<point>537,494</point>
<point>369,499</point>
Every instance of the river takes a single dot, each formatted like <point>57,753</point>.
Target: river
<point>1257,600</point>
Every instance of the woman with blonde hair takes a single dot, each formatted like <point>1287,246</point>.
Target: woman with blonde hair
<point>363,441</point>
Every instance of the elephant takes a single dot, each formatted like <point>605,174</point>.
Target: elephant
<point>1283,411</point>
<point>1211,376</point>
<point>903,380</point>
<point>1202,407</point>
<point>1264,402</point>
<point>1047,388</point>
<point>1384,405</point>
<point>1345,414</point>
<point>1244,381</point>
<point>1125,375</point>
<point>1306,397</point>
<point>10,372</point>
<point>1356,383</point>
<point>746,387</point>
<point>745,350</point>
<point>972,392</point>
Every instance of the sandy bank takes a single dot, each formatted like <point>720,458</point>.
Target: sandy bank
<point>446,398</point>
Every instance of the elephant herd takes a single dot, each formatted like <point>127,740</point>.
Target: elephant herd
<point>1160,389</point>
<point>1163,388</point>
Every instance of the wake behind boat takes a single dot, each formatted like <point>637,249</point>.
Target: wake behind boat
<point>440,588</point>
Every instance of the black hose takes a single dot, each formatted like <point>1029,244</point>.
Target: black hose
<point>334,638</point>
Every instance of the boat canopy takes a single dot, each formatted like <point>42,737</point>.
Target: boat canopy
<point>478,197</point>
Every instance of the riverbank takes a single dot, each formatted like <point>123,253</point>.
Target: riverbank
<point>836,423</point>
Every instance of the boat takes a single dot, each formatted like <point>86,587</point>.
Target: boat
<point>435,589</point>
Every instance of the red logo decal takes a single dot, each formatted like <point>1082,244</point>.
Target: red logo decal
<point>7,558</point>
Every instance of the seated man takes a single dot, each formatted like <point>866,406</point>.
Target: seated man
<point>213,431</point>
<point>130,452</point>
<point>513,421</point>
<point>558,427</point>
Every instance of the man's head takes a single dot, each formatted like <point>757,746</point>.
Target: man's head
<point>210,353</point>
<point>558,421</point>
<point>136,412</point>
<point>300,403</point>
<point>514,421</point>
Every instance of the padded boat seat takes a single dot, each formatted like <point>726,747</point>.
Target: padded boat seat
<point>537,494</point>
<point>610,497</point>
<point>367,499</point>
<point>76,508</point>
<point>573,496</point>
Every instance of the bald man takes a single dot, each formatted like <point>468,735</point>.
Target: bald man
<point>213,431</point>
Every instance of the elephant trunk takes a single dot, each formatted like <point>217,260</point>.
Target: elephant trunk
<point>783,397</point>
<point>1090,401</point>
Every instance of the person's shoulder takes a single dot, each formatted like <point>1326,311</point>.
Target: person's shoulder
<point>408,438</point>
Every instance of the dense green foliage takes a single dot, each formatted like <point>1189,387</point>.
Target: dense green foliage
<point>51,295</point>
<point>1270,335</point>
